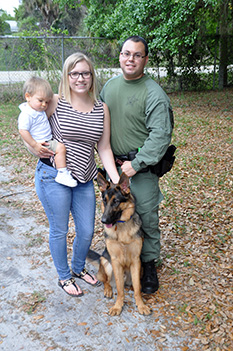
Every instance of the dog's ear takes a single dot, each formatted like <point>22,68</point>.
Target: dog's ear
<point>102,182</point>
<point>124,183</point>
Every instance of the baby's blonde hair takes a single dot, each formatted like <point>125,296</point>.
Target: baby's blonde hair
<point>35,84</point>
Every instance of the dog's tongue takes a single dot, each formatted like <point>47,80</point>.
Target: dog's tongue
<point>108,225</point>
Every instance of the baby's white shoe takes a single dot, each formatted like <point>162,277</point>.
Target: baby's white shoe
<point>66,178</point>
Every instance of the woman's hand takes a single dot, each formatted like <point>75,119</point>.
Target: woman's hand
<point>36,148</point>
<point>40,151</point>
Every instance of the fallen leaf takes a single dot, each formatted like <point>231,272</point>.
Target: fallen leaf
<point>191,281</point>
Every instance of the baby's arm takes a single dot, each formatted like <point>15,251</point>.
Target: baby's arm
<point>35,147</point>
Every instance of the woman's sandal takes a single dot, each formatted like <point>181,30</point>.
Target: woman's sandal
<point>82,275</point>
<point>69,282</point>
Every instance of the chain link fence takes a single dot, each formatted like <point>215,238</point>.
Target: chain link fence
<point>21,57</point>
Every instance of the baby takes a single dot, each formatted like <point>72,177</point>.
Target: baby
<point>35,129</point>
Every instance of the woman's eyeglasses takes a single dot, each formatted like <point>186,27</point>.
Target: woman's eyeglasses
<point>76,75</point>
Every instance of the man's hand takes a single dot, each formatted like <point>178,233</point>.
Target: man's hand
<point>128,169</point>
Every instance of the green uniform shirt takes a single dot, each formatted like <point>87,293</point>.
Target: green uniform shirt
<point>141,117</point>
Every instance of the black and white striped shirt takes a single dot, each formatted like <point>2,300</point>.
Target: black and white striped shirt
<point>79,132</point>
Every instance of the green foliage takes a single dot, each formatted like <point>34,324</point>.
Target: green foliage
<point>167,25</point>
<point>32,53</point>
<point>4,16</point>
<point>27,18</point>
<point>179,32</point>
<point>4,26</point>
<point>40,15</point>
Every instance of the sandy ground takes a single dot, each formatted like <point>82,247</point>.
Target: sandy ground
<point>36,314</point>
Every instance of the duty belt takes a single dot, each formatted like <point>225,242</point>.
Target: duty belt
<point>119,160</point>
<point>161,168</point>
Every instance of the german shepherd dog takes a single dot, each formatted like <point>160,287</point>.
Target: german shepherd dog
<point>123,242</point>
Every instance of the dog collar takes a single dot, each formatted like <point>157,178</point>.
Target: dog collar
<point>124,221</point>
<point>118,222</point>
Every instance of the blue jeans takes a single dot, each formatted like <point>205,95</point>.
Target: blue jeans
<point>58,201</point>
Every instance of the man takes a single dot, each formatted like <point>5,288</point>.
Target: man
<point>141,129</point>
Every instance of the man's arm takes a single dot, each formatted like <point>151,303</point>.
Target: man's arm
<point>159,122</point>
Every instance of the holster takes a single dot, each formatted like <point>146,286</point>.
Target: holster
<point>166,162</point>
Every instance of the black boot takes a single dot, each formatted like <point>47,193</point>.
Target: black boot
<point>149,281</point>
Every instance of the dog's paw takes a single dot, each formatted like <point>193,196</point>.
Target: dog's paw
<point>143,309</point>
<point>108,292</point>
<point>115,311</point>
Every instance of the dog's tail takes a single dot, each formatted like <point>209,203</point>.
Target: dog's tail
<point>102,263</point>
<point>94,258</point>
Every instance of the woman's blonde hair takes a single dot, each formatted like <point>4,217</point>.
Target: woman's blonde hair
<point>69,64</point>
<point>37,84</point>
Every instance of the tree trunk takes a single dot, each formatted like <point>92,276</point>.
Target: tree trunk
<point>223,45</point>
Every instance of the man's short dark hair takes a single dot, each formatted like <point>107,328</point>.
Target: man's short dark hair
<point>137,39</point>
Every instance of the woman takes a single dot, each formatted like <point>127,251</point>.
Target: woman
<point>79,121</point>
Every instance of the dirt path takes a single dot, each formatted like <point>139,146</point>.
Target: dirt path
<point>35,313</point>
